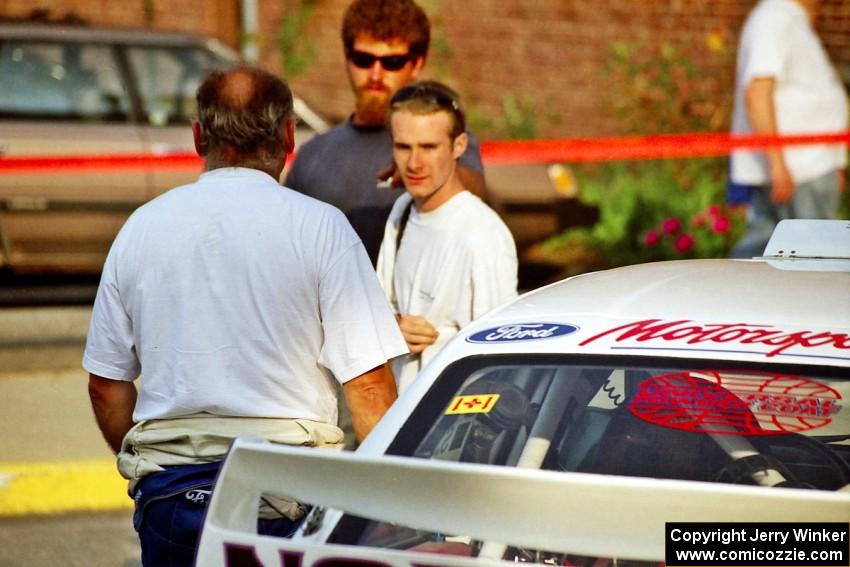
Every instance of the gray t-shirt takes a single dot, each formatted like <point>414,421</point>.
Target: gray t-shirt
<point>340,167</point>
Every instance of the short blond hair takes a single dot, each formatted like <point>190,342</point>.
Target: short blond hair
<point>428,97</point>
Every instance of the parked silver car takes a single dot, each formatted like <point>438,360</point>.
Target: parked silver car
<point>69,90</point>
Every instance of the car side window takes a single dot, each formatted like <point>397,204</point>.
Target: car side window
<point>168,78</point>
<point>61,81</point>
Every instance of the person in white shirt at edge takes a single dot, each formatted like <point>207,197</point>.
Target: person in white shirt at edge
<point>243,303</point>
<point>446,257</point>
<point>786,85</point>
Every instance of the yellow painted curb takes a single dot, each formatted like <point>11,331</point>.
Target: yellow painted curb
<point>61,486</point>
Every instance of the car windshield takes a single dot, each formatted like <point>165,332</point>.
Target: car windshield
<point>61,81</point>
<point>711,421</point>
<point>168,78</point>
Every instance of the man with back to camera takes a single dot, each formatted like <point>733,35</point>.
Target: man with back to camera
<point>786,85</point>
<point>386,43</point>
<point>242,302</point>
<point>446,258</point>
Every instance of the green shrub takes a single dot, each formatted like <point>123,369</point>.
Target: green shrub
<point>664,209</point>
<point>655,210</point>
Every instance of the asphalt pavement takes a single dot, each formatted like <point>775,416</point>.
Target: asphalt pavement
<point>61,500</point>
<point>102,539</point>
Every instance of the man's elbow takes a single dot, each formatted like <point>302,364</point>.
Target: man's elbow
<point>106,392</point>
<point>99,388</point>
<point>377,385</point>
<point>369,396</point>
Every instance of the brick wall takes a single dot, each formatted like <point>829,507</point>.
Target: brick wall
<point>834,27</point>
<point>323,85</point>
<point>552,55</point>
<point>124,13</point>
<point>547,56</point>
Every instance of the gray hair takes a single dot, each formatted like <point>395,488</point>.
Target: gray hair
<point>241,111</point>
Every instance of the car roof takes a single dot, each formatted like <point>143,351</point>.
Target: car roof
<point>13,29</point>
<point>733,290</point>
<point>791,306</point>
<point>49,31</point>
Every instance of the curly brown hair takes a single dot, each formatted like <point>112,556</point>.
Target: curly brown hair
<point>385,20</point>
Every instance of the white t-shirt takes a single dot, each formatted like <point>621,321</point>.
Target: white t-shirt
<point>454,264</point>
<point>238,297</point>
<point>778,41</point>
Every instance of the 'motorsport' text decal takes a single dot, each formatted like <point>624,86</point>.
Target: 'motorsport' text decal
<point>761,339</point>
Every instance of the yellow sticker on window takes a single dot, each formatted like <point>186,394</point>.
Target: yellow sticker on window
<point>479,403</point>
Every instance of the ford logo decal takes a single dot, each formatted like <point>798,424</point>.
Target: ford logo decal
<point>521,332</point>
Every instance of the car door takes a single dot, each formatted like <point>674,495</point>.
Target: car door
<point>60,99</point>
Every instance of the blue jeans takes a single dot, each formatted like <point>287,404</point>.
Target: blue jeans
<point>170,509</point>
<point>815,199</point>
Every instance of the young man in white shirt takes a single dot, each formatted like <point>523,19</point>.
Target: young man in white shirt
<point>446,258</point>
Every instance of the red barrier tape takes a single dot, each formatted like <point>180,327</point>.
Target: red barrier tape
<point>101,163</point>
<point>642,147</point>
<point>570,150</point>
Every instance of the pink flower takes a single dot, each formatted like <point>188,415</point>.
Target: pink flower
<point>714,211</point>
<point>671,225</point>
<point>684,242</point>
<point>720,225</point>
<point>651,238</point>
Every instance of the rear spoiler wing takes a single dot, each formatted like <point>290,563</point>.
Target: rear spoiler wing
<point>809,244</point>
<point>586,514</point>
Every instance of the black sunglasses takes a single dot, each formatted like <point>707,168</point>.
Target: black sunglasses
<point>427,93</point>
<point>365,60</point>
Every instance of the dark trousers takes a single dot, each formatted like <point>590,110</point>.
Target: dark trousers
<point>170,509</point>
<point>815,199</point>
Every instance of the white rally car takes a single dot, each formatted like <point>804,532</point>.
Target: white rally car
<point>568,426</point>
